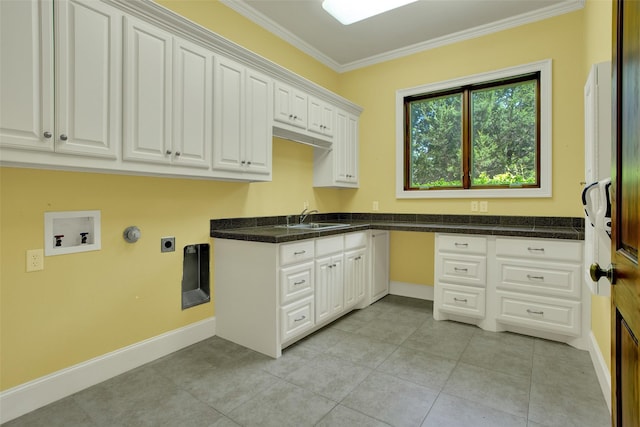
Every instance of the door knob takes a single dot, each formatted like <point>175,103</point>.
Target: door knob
<point>596,273</point>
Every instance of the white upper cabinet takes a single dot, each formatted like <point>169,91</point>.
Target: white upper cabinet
<point>192,104</point>
<point>338,167</point>
<point>80,114</point>
<point>290,105</point>
<point>131,87</point>
<point>168,87</point>
<point>26,80</point>
<point>243,111</point>
<point>147,93</point>
<point>88,68</point>
<point>321,117</point>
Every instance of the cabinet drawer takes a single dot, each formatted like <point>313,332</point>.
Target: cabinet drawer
<point>541,313</point>
<point>539,249</point>
<point>329,245</point>
<point>464,300</point>
<point>355,240</point>
<point>552,279</point>
<point>296,318</point>
<point>296,252</point>
<point>295,282</point>
<point>461,244</point>
<point>463,269</point>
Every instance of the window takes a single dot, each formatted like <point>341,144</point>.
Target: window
<point>482,136</point>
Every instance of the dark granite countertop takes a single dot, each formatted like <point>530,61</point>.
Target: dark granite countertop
<point>262,229</point>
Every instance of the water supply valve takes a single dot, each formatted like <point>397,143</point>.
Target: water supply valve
<point>58,238</point>
<point>83,238</point>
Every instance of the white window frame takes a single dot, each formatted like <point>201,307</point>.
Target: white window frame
<point>544,67</point>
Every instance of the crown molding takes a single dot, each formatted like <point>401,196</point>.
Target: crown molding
<point>268,24</point>
<point>158,15</point>
<point>482,30</point>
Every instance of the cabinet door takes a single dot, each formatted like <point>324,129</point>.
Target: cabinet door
<point>192,105</point>
<point>258,128</point>
<point>336,289</point>
<point>229,130</point>
<point>88,68</point>
<point>351,149</point>
<point>354,277</point>
<point>328,114</point>
<point>26,80</point>
<point>290,106</point>
<point>379,264</point>
<point>147,93</point>
<point>323,284</point>
<point>320,117</point>
<point>315,115</point>
<point>282,109</point>
<point>299,105</point>
<point>339,148</point>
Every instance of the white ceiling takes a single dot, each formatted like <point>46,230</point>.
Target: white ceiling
<point>412,28</point>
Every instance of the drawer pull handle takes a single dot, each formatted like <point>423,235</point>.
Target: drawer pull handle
<point>535,249</point>
<point>300,319</point>
<point>300,252</point>
<point>541,313</point>
<point>299,283</point>
<point>530,277</point>
<point>464,300</point>
<point>464,270</point>
<point>461,245</point>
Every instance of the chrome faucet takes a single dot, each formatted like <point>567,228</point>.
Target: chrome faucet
<point>304,214</point>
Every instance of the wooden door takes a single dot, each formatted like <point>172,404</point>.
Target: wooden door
<point>626,205</point>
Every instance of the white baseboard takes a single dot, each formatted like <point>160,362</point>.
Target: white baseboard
<point>411,290</point>
<point>602,370</point>
<point>35,394</point>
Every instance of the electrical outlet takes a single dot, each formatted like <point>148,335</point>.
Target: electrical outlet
<point>376,205</point>
<point>35,260</point>
<point>167,244</point>
<point>474,206</point>
<point>484,206</point>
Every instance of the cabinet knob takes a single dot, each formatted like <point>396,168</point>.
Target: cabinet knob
<point>168,152</point>
<point>249,162</point>
<point>63,137</point>
<point>47,134</point>
<point>177,153</point>
<point>242,162</point>
<point>596,273</point>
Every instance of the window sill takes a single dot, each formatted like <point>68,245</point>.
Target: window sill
<point>503,193</point>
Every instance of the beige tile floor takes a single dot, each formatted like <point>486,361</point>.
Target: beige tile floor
<point>390,364</point>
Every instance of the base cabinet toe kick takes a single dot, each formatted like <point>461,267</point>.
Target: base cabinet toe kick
<point>268,296</point>
<point>529,286</point>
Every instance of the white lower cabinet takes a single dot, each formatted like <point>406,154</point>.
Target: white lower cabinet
<point>460,276</point>
<point>379,265</point>
<point>539,284</point>
<point>529,286</point>
<point>297,318</point>
<point>271,295</point>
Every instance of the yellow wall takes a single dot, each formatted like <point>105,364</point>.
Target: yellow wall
<point>598,20</point>
<point>411,259</point>
<point>559,38</point>
<point>84,305</point>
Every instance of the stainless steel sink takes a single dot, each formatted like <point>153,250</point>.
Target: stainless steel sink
<point>314,226</point>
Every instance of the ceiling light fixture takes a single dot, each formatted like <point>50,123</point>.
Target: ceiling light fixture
<point>350,11</point>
